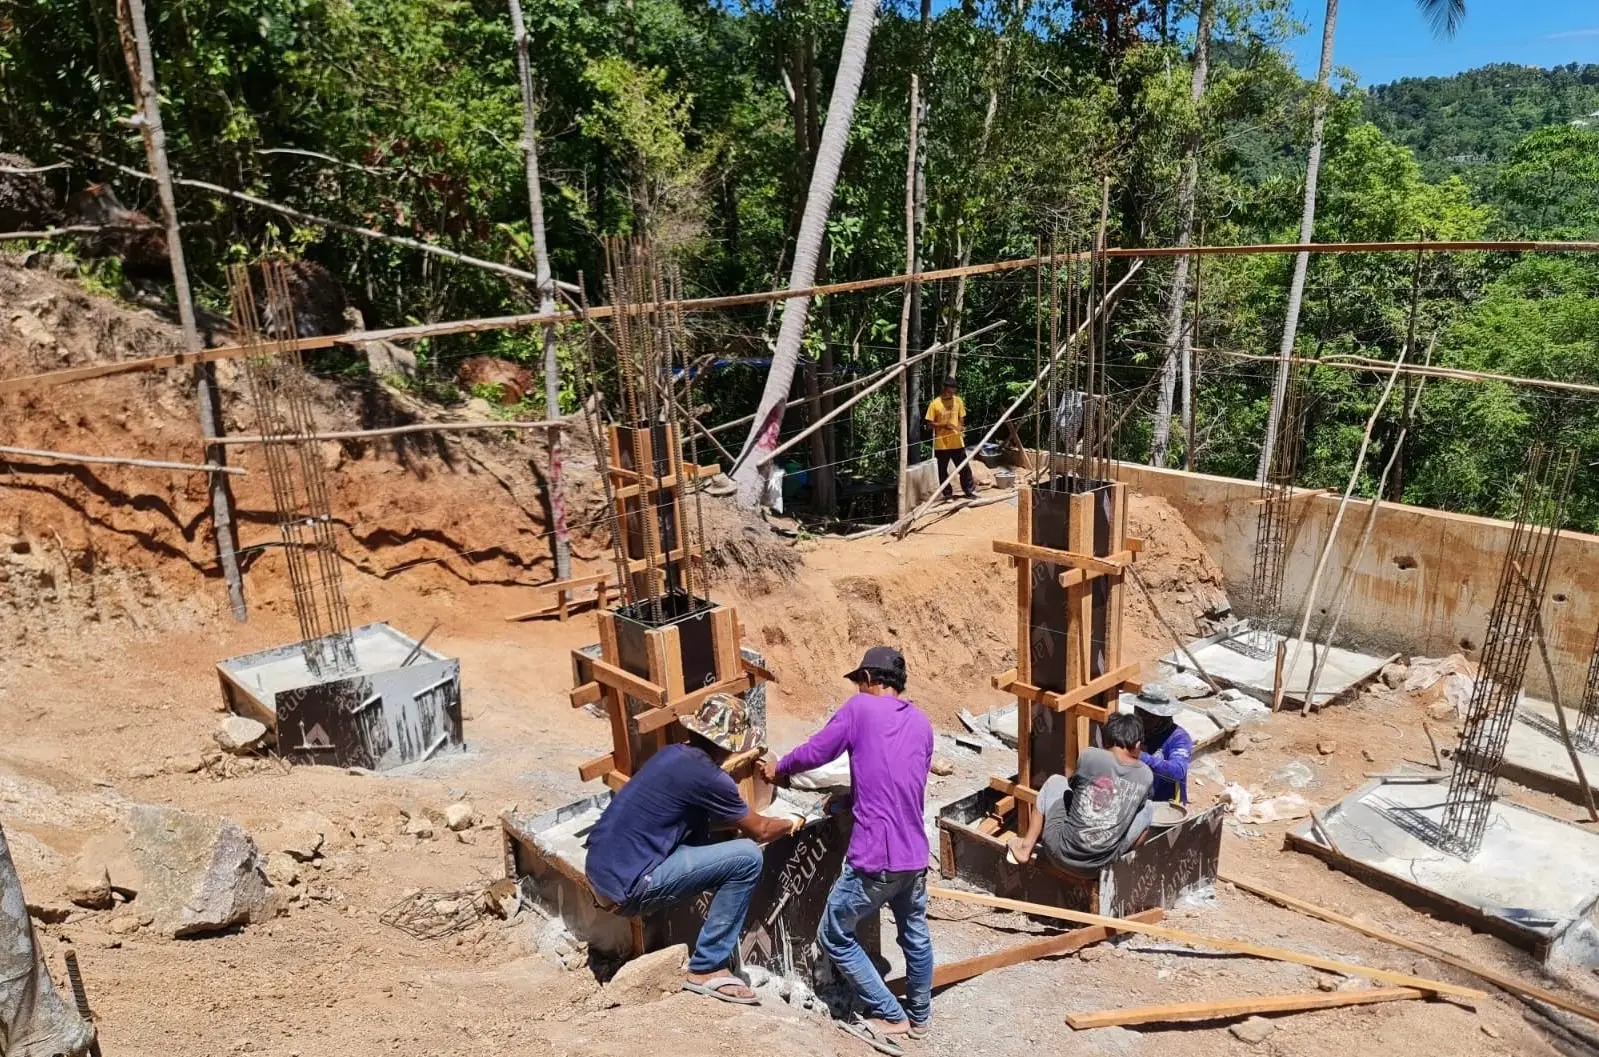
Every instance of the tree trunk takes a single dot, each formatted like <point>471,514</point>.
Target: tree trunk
<point>907,312</point>
<point>1307,228</point>
<point>1177,295</point>
<point>762,437</point>
<point>141,67</point>
<point>546,285</point>
<point>919,147</point>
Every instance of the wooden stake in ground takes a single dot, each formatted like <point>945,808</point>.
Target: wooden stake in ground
<point>1493,976</point>
<point>905,305</point>
<point>142,64</point>
<point>1215,942</point>
<point>1338,520</point>
<point>546,288</point>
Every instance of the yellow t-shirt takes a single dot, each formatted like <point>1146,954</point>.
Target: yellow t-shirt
<point>948,422</point>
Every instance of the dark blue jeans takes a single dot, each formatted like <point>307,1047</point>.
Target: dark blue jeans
<point>854,896</point>
<point>730,867</point>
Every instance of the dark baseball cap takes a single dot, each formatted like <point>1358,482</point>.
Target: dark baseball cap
<point>883,658</point>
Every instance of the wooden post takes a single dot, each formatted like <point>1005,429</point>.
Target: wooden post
<point>209,404</point>
<point>1024,656</point>
<point>546,286</point>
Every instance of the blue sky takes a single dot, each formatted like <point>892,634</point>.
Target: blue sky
<point>1384,40</point>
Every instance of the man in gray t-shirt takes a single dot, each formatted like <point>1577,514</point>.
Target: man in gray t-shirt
<point>1101,811</point>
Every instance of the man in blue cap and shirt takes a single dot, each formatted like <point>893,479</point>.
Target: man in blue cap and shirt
<point>890,746</point>
<point>1167,746</point>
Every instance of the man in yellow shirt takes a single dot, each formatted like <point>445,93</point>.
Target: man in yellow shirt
<point>947,415</point>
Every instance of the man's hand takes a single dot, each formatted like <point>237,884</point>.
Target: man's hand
<point>769,769</point>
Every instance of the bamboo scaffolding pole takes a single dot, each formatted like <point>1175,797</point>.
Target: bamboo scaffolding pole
<point>904,524</point>
<point>113,460</point>
<point>1332,537</point>
<point>73,229</point>
<point>338,225</point>
<point>1448,374</point>
<point>905,394</point>
<point>714,304</point>
<point>396,431</point>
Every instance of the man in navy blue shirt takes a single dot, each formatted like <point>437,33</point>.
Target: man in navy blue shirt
<point>1167,747</point>
<point>650,848</point>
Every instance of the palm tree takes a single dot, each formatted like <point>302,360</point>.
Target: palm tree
<point>1445,17</point>
<point>1177,297</point>
<point>762,439</point>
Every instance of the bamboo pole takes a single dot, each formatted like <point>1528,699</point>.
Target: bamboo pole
<point>715,304</point>
<point>113,460</point>
<point>206,395</point>
<point>1332,535</point>
<point>897,371</point>
<point>1554,696</point>
<point>73,229</point>
<point>905,301</point>
<point>903,525</point>
<point>396,431</point>
<point>338,225</point>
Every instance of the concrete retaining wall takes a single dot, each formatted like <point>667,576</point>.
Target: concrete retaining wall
<point>1424,585</point>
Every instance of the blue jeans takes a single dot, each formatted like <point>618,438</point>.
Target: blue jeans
<point>730,867</point>
<point>854,896</point>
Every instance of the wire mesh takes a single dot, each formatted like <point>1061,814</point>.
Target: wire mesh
<point>1271,529</point>
<point>280,396</point>
<point>1511,629</point>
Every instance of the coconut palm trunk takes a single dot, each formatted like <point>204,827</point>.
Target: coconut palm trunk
<point>749,472</point>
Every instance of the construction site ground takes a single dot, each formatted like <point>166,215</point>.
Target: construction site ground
<point>113,618</point>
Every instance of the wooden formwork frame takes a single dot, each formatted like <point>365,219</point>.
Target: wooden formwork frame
<point>1085,698</point>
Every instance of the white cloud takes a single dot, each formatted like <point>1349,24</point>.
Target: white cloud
<point>1572,34</point>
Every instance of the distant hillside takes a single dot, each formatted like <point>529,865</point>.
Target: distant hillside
<point>1469,122</point>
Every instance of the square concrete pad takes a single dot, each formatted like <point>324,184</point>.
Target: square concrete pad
<point>1255,676</point>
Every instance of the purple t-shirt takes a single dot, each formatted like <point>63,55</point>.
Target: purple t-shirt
<point>890,746</point>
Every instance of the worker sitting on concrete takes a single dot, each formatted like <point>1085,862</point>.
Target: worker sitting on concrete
<point>890,746</point>
<point>650,847</point>
<point>1167,747</point>
<point>1100,812</point>
<point>947,415</point>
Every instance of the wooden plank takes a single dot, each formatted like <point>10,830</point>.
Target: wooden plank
<point>658,717</point>
<point>1118,530</point>
<point>1024,652</point>
<point>1073,577</point>
<point>1079,606</point>
<point>724,643</point>
<point>665,649</point>
<point>1239,1007</point>
<point>1509,983</point>
<point>756,670</point>
<point>1072,559</point>
<point>616,702</point>
<point>1020,792</point>
<point>1134,543</point>
<point>1048,947</point>
<point>592,769</point>
<point>1222,943</point>
<point>1113,679</point>
<point>626,681</point>
<point>615,779</point>
<point>587,694</point>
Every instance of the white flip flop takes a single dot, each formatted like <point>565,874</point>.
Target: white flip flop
<point>712,988</point>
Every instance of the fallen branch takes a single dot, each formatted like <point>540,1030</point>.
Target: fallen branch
<point>1233,1008</point>
<point>111,460</point>
<point>1437,954</point>
<point>395,431</point>
<point>1215,942</point>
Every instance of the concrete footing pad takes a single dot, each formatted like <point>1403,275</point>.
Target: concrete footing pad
<point>1247,661</point>
<point>1534,882</point>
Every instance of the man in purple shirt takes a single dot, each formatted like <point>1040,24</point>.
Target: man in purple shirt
<point>890,746</point>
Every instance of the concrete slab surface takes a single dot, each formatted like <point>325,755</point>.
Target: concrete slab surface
<point>1536,756</point>
<point>1534,877</point>
<point>1256,675</point>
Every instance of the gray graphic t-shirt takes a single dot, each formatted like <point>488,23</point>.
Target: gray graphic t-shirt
<point>1084,832</point>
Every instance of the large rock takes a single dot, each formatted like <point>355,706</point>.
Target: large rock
<point>646,978</point>
<point>239,734</point>
<point>89,885</point>
<point>201,873</point>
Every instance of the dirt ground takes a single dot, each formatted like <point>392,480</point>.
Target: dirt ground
<point>114,618</point>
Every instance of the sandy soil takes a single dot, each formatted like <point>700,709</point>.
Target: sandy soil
<point>114,622</point>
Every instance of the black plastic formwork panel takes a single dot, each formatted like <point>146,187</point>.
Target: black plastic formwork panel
<point>665,501</point>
